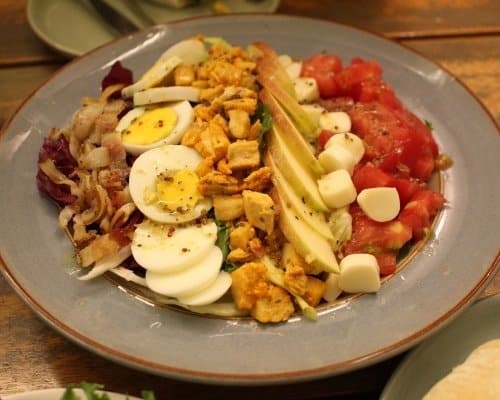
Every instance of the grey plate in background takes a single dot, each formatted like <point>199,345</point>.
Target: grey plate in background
<point>435,358</point>
<point>73,27</point>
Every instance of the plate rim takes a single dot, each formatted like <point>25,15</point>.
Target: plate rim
<point>246,378</point>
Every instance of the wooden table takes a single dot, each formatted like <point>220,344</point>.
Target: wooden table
<point>462,36</point>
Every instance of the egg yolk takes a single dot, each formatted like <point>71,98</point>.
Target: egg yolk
<point>177,192</point>
<point>151,127</point>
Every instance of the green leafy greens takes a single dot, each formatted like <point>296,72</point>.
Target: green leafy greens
<point>222,243</point>
<point>94,391</point>
<point>263,113</point>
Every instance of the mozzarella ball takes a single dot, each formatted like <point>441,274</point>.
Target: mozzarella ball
<point>337,189</point>
<point>380,203</point>
<point>350,142</point>
<point>335,121</point>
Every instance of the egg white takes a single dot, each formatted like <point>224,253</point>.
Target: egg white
<point>163,248</point>
<point>143,176</point>
<point>185,116</point>
<point>190,280</point>
<point>209,294</point>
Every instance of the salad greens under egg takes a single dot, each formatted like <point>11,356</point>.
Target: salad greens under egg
<point>237,181</point>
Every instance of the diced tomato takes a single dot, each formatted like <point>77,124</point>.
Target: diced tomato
<point>350,79</point>
<point>337,103</point>
<point>323,137</point>
<point>387,263</point>
<point>369,176</point>
<point>395,141</point>
<point>323,68</point>
<point>419,211</point>
<point>406,189</point>
<point>379,91</point>
<point>375,237</point>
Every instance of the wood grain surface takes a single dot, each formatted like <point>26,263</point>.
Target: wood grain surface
<point>463,36</point>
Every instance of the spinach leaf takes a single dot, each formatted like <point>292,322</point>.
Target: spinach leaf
<point>222,243</point>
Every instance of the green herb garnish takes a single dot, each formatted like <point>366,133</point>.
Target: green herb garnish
<point>222,243</point>
<point>94,391</point>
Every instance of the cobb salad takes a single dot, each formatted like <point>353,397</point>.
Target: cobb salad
<point>240,181</point>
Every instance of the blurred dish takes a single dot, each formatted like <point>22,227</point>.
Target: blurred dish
<point>435,358</point>
<point>445,277</point>
<point>55,394</point>
<point>74,27</point>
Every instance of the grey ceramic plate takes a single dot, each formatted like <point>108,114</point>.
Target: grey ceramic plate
<point>445,276</point>
<point>435,358</point>
<point>55,394</point>
<point>73,27</point>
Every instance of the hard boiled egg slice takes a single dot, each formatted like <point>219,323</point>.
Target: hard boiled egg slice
<point>163,184</point>
<point>189,51</point>
<point>166,94</point>
<point>196,277</point>
<point>210,294</point>
<point>146,128</point>
<point>163,248</point>
<point>154,76</point>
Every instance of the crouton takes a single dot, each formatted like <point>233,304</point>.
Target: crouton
<point>211,93</point>
<point>275,307</point>
<point>243,154</point>
<point>255,130</point>
<point>240,256</point>
<point>192,135</point>
<point>259,210</point>
<point>225,73</point>
<point>213,141</point>
<point>205,166</point>
<point>257,248</point>
<point>249,284</point>
<point>241,235</point>
<point>295,279</point>
<point>184,75</point>
<point>228,208</point>
<point>223,166</point>
<point>258,180</point>
<point>245,65</point>
<point>315,289</point>
<point>237,92</point>
<point>239,123</point>
<point>216,183</point>
<point>246,104</point>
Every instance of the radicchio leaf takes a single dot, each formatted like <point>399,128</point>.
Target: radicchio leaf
<point>117,74</point>
<point>58,151</point>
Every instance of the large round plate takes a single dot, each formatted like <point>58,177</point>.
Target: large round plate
<point>435,358</point>
<point>444,277</point>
